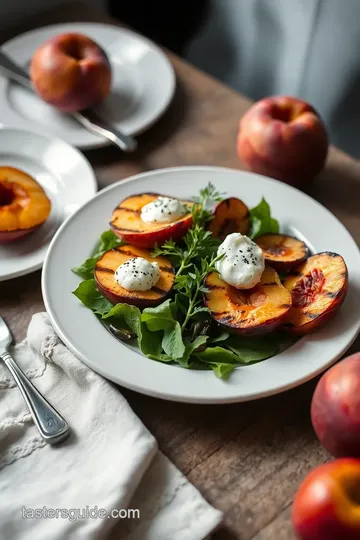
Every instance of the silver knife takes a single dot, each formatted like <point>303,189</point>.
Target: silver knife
<point>88,118</point>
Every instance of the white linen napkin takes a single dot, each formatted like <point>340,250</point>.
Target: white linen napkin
<point>111,461</point>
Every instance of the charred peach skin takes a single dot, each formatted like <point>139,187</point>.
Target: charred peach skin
<point>318,288</point>
<point>282,252</point>
<point>108,286</point>
<point>71,72</point>
<point>285,138</point>
<point>327,504</point>
<point>128,225</point>
<point>335,409</point>
<point>253,311</point>
<point>231,215</point>
<point>24,205</point>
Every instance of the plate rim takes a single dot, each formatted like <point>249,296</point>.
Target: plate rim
<point>94,188</point>
<point>98,143</point>
<point>167,395</point>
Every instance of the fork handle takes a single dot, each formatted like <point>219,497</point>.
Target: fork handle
<point>52,427</point>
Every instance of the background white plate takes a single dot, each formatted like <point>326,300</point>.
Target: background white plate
<point>143,85</point>
<point>68,180</point>
<point>84,334</point>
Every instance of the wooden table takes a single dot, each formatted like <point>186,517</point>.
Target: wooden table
<point>246,459</point>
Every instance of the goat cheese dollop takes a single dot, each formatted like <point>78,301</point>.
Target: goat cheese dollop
<point>163,210</point>
<point>137,274</point>
<point>243,263</point>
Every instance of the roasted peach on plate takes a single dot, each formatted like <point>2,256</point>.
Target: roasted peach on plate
<point>109,262</point>
<point>318,288</point>
<point>282,252</point>
<point>230,215</point>
<point>24,205</point>
<point>257,310</point>
<point>127,222</point>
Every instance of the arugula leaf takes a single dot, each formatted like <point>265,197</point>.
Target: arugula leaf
<point>161,318</point>
<point>89,295</point>
<point>108,240</point>
<point>190,347</point>
<point>221,370</point>
<point>149,342</point>
<point>130,315</point>
<point>261,220</point>
<point>253,350</point>
<point>223,336</point>
<point>160,357</point>
<point>86,269</point>
<point>217,355</point>
<point>172,342</point>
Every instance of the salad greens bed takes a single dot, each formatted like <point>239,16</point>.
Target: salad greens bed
<point>180,330</point>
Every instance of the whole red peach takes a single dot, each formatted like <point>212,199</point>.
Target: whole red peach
<point>71,72</point>
<point>283,137</point>
<point>335,408</point>
<point>326,506</point>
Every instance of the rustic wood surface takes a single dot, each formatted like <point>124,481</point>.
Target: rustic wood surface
<point>246,459</point>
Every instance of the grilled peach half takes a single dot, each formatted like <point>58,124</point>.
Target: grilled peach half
<point>127,224</point>
<point>282,252</point>
<point>245,312</point>
<point>230,215</point>
<point>105,277</point>
<point>318,288</point>
<point>24,205</point>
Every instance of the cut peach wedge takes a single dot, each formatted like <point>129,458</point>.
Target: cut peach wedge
<point>24,205</point>
<point>253,311</point>
<point>230,215</point>
<point>105,277</point>
<point>127,224</point>
<point>282,252</point>
<point>318,288</point>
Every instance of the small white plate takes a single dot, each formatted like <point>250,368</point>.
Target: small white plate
<point>68,180</point>
<point>298,214</point>
<point>143,85</point>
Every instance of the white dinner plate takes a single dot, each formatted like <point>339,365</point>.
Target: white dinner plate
<point>67,179</point>
<point>298,214</point>
<point>142,88</point>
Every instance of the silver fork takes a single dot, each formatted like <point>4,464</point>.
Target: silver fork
<point>52,427</point>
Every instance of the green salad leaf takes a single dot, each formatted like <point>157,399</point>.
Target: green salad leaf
<point>221,370</point>
<point>150,343</point>
<point>161,318</point>
<point>190,347</point>
<point>89,295</point>
<point>217,354</point>
<point>261,220</point>
<point>128,315</point>
<point>108,240</point>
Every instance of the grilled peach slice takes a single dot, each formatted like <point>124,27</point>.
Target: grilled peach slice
<point>318,288</point>
<point>105,277</point>
<point>253,311</point>
<point>128,225</point>
<point>24,205</point>
<point>231,215</point>
<point>282,252</point>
